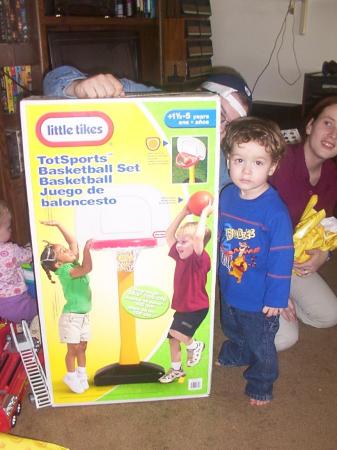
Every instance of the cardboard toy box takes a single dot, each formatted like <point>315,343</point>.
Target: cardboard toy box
<point>118,171</point>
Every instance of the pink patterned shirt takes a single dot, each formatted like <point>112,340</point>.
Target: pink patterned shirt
<point>11,275</point>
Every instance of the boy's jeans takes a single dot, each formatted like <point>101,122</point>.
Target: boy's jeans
<point>250,343</point>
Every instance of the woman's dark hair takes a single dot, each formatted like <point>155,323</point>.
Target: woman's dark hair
<point>317,110</point>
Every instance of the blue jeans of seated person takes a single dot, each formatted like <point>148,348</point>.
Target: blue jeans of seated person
<point>250,343</point>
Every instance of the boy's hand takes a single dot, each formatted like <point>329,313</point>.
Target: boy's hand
<point>270,312</point>
<point>50,223</point>
<point>186,210</point>
<point>208,209</point>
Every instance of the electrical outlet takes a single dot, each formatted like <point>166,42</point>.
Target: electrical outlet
<point>291,8</point>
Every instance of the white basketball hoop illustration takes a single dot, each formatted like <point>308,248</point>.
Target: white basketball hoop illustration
<point>190,150</point>
<point>135,219</point>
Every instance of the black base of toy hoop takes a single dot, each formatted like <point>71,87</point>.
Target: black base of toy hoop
<point>144,372</point>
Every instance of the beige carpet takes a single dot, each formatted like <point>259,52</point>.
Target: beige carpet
<point>303,414</point>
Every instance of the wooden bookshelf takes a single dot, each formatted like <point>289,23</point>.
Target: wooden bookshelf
<point>13,188</point>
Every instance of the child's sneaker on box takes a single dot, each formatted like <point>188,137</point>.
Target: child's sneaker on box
<point>171,375</point>
<point>83,377</point>
<point>194,356</point>
<point>73,383</point>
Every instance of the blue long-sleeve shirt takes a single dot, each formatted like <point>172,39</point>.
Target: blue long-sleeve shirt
<point>256,250</point>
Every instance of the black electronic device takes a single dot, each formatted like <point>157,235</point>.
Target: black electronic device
<point>84,7</point>
<point>329,68</point>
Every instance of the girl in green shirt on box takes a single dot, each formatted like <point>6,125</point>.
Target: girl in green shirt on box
<point>74,327</point>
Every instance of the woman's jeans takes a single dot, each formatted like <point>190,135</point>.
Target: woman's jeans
<point>250,343</point>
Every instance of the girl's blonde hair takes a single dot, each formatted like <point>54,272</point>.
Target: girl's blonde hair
<point>190,228</point>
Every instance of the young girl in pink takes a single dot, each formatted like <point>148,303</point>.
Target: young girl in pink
<point>16,304</point>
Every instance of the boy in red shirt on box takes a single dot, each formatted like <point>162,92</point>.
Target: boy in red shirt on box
<point>190,300</point>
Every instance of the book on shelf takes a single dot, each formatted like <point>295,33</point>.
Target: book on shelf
<point>199,68</point>
<point>132,8</point>
<point>189,7</point>
<point>15,82</point>
<point>14,23</point>
<point>204,7</point>
<point>195,7</point>
<point>198,48</point>
<point>14,152</point>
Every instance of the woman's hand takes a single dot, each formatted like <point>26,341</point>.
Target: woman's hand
<point>289,313</point>
<point>316,260</point>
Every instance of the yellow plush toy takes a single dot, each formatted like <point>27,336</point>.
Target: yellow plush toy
<point>11,442</point>
<point>314,232</point>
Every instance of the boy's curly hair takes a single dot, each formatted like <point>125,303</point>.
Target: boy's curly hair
<point>48,260</point>
<point>263,131</point>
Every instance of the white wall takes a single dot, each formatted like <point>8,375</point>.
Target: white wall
<point>244,32</point>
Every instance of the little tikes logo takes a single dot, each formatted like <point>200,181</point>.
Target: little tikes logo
<point>74,129</point>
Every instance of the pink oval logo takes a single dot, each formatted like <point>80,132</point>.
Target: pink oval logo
<point>74,129</point>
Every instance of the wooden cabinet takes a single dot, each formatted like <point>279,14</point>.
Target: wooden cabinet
<point>12,177</point>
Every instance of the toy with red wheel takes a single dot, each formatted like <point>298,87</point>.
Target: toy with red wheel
<point>13,380</point>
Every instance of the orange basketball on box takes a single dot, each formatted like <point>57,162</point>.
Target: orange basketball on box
<point>198,201</point>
